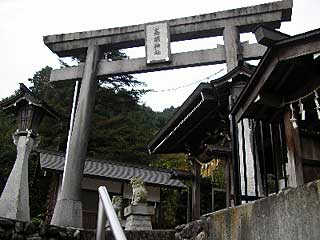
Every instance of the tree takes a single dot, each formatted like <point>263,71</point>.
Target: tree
<point>7,148</point>
<point>121,127</point>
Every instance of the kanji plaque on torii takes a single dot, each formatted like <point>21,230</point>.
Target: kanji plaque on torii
<point>92,44</point>
<point>157,42</point>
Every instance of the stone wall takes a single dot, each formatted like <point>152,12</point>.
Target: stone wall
<point>133,235</point>
<point>12,230</point>
<point>197,230</point>
<point>289,215</point>
<point>147,235</point>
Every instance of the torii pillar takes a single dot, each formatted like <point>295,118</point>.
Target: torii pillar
<point>232,46</point>
<point>231,38</point>
<point>68,209</point>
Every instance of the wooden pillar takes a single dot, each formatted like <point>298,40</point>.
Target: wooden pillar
<point>295,170</point>
<point>212,198</point>
<point>68,209</point>
<point>227,180</point>
<point>188,204</point>
<point>231,183</point>
<point>196,191</point>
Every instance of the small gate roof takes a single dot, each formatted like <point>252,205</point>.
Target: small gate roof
<point>113,170</point>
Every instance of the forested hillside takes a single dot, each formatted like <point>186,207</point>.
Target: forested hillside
<point>121,129</point>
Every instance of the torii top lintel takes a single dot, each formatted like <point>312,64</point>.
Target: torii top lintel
<point>200,26</point>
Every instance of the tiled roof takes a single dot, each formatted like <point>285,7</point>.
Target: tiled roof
<point>112,170</point>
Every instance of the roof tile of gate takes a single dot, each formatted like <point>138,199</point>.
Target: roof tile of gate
<point>113,170</point>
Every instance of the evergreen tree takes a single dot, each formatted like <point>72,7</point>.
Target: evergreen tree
<point>121,127</point>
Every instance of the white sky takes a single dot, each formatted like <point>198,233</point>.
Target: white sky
<point>23,23</point>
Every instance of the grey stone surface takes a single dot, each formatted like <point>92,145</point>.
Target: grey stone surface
<point>46,232</point>
<point>192,230</point>
<point>10,230</point>
<point>202,236</point>
<point>122,224</point>
<point>70,213</point>
<point>179,60</point>
<point>6,223</point>
<point>138,217</point>
<point>139,209</point>
<point>29,228</point>
<point>291,214</point>
<point>187,28</point>
<point>14,201</point>
<point>145,235</point>
<point>19,227</point>
<point>138,222</point>
<point>68,210</point>
<point>233,53</point>
<point>139,192</point>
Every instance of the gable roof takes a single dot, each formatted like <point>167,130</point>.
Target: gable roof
<point>289,59</point>
<point>169,138</point>
<point>54,161</point>
<point>203,112</point>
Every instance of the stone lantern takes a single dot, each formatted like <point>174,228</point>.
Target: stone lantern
<point>14,201</point>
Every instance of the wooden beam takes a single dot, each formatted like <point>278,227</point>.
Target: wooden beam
<point>252,90</point>
<point>138,65</point>
<point>301,47</point>
<point>285,77</point>
<point>270,99</point>
<point>268,37</point>
<point>206,25</point>
<point>196,191</point>
<point>310,83</point>
<point>311,162</point>
<point>227,180</point>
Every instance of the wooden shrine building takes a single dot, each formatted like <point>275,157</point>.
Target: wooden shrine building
<point>278,100</point>
<point>281,102</point>
<point>201,128</point>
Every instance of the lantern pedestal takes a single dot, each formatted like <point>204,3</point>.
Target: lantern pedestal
<point>14,201</point>
<point>138,217</point>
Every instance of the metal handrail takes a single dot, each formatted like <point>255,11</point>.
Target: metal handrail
<point>105,211</point>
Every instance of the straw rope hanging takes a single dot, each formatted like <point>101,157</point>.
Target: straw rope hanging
<point>208,168</point>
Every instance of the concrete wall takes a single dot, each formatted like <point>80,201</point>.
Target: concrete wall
<point>289,215</point>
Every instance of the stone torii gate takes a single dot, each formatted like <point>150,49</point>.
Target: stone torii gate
<point>229,24</point>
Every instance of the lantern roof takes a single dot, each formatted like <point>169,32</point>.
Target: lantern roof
<point>26,96</point>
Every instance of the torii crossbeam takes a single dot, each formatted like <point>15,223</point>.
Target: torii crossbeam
<point>229,24</point>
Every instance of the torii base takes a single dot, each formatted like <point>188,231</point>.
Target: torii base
<point>67,213</point>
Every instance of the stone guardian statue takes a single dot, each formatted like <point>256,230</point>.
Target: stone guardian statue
<point>139,192</point>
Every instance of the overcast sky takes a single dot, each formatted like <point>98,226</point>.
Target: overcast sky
<point>23,23</point>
